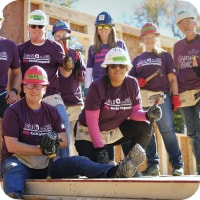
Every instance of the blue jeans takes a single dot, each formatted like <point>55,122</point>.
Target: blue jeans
<point>191,117</point>
<point>15,173</point>
<point>167,130</point>
<point>61,109</point>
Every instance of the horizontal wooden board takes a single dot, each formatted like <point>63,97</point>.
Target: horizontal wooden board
<point>165,187</point>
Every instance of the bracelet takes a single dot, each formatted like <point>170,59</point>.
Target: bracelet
<point>14,90</point>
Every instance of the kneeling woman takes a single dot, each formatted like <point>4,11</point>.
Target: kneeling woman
<point>113,113</point>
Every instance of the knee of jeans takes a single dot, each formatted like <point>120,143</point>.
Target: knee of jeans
<point>8,166</point>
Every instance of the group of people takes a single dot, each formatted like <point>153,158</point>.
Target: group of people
<point>54,133</point>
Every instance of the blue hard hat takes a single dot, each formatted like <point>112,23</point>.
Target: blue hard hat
<point>104,18</point>
<point>61,25</point>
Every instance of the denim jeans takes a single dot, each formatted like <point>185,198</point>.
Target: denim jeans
<point>191,117</point>
<point>61,109</point>
<point>167,130</point>
<point>15,173</point>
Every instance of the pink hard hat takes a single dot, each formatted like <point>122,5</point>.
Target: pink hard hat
<point>35,75</point>
<point>148,28</point>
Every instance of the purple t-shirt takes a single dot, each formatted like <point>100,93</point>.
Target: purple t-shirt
<point>9,58</point>
<point>70,87</point>
<point>95,60</point>
<point>147,63</point>
<point>183,53</point>
<point>115,103</point>
<point>28,125</point>
<point>49,56</point>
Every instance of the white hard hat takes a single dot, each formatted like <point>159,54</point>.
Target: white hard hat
<point>37,17</point>
<point>117,56</point>
<point>184,15</point>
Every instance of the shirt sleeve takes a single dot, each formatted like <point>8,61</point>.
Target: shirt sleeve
<point>92,119</point>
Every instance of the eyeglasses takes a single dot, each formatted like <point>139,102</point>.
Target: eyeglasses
<point>105,26</point>
<point>117,65</point>
<point>31,86</point>
<point>33,26</point>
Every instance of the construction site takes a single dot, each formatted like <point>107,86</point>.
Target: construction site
<point>163,187</point>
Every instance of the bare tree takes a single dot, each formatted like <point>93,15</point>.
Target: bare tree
<point>66,3</point>
<point>161,12</point>
<point>150,10</point>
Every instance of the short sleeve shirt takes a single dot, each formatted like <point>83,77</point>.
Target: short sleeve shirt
<point>70,87</point>
<point>147,63</point>
<point>9,58</point>
<point>115,103</point>
<point>95,60</point>
<point>49,56</point>
<point>183,53</point>
<point>29,125</point>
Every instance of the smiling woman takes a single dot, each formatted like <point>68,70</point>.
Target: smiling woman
<point>112,107</point>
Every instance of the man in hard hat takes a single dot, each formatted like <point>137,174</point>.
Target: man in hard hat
<point>50,56</point>
<point>187,61</point>
<point>35,135</point>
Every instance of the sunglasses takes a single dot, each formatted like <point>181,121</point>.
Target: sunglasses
<point>31,86</point>
<point>106,26</point>
<point>33,26</point>
<point>118,65</point>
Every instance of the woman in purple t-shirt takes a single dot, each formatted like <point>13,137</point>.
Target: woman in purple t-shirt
<point>105,38</point>
<point>152,60</point>
<point>113,113</point>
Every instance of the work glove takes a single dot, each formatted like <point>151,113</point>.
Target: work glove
<point>102,155</point>
<point>142,82</point>
<point>154,112</point>
<point>79,75</point>
<point>49,143</point>
<point>176,103</point>
<point>68,63</point>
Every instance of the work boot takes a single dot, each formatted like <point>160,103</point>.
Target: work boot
<point>128,166</point>
<point>152,171</point>
<point>178,171</point>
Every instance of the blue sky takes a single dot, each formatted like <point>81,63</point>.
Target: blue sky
<point>114,7</point>
<point>119,8</point>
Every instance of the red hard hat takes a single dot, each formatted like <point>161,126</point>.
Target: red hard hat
<point>148,28</point>
<point>35,75</point>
